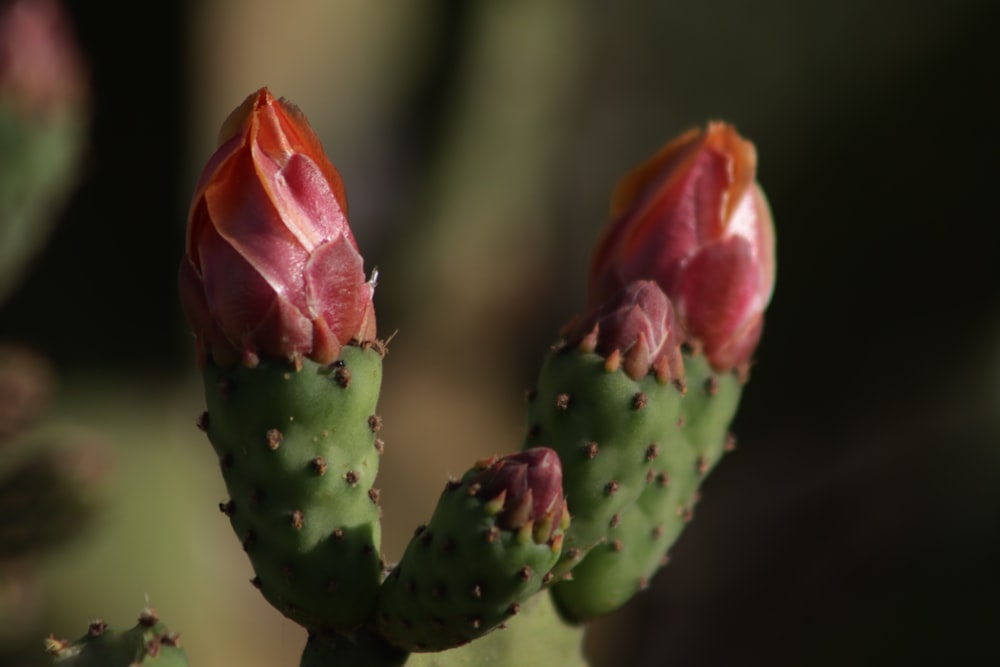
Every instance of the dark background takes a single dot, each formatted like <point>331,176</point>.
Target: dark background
<point>859,520</point>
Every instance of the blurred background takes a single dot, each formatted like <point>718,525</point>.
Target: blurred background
<point>858,520</point>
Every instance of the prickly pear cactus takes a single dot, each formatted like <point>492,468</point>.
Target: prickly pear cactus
<point>299,455</point>
<point>148,644</point>
<point>622,565</point>
<point>484,552</point>
<point>609,430</point>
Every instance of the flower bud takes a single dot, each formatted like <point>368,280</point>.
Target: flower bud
<point>694,219</point>
<point>529,483</point>
<point>638,322</point>
<point>271,267</point>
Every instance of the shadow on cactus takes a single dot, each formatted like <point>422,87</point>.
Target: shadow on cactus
<point>631,411</point>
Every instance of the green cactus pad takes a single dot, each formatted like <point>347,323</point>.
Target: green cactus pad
<point>299,456</point>
<point>614,571</point>
<point>462,575</point>
<point>39,157</point>
<point>148,644</point>
<point>609,431</point>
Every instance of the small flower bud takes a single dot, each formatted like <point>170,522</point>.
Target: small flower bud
<point>530,483</point>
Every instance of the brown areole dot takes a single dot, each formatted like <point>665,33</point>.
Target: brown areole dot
<point>97,627</point>
<point>337,534</point>
<point>730,443</point>
<point>202,421</point>
<point>318,465</point>
<point>249,540</point>
<point>616,519</point>
<point>616,545</point>
<point>477,591</point>
<point>702,465</point>
<point>342,375</point>
<point>374,494</point>
<point>274,438</point>
<point>711,385</point>
<point>562,402</point>
<point>351,477</point>
<point>611,488</point>
<point>374,423</point>
<point>297,519</point>
<point>591,449</point>
<point>525,573</point>
<point>639,401</point>
<point>227,508</point>
<point>652,452</point>
<point>379,446</point>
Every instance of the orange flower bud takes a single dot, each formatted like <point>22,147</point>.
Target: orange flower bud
<point>694,219</point>
<point>271,267</point>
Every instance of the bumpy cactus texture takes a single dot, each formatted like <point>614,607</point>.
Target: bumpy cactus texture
<point>299,455</point>
<point>636,547</point>
<point>609,431</point>
<point>464,573</point>
<point>148,644</point>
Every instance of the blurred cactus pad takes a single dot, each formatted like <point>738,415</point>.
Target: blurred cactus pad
<point>43,127</point>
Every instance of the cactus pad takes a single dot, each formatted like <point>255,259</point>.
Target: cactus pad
<point>299,456</point>
<point>148,644</point>
<point>609,431</point>
<point>615,570</point>
<point>468,570</point>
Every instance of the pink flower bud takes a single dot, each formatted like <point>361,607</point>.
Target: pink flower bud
<point>529,485</point>
<point>694,220</point>
<point>638,322</point>
<point>271,267</point>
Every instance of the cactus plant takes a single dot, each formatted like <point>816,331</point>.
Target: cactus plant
<point>631,411</point>
<point>148,644</point>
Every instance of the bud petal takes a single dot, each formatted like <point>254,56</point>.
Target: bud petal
<point>694,220</point>
<point>271,267</point>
